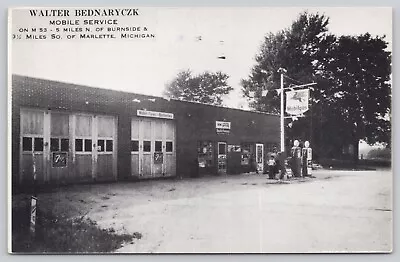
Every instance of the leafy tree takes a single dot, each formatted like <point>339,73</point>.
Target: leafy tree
<point>360,71</point>
<point>351,100</point>
<point>206,87</point>
<point>301,49</point>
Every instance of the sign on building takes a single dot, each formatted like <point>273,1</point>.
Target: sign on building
<point>297,101</point>
<point>155,114</point>
<point>223,127</point>
<point>158,158</point>
<point>59,159</point>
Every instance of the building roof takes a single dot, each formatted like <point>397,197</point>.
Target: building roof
<point>108,94</point>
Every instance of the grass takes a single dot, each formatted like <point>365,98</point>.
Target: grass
<point>62,235</point>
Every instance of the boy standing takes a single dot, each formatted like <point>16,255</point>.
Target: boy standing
<point>271,167</point>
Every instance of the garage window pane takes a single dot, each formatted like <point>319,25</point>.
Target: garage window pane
<point>27,143</point>
<point>100,145</point>
<point>78,145</point>
<point>88,145</point>
<point>109,145</point>
<point>38,144</point>
<point>146,146</point>
<point>134,146</point>
<point>65,144</point>
<point>169,147</point>
<point>158,146</point>
<point>54,146</point>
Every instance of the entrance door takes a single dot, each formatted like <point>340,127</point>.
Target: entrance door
<point>260,157</point>
<point>222,157</point>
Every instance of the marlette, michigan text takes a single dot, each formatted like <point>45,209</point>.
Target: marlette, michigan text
<point>85,12</point>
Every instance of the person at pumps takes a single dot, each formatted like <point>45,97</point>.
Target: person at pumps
<point>271,167</point>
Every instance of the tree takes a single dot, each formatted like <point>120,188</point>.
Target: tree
<point>206,87</point>
<point>351,100</point>
<point>301,49</point>
<point>360,71</point>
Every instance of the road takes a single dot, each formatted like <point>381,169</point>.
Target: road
<point>339,211</point>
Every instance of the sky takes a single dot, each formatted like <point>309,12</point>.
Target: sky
<point>145,65</point>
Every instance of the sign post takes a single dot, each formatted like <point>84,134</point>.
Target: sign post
<point>32,223</point>
<point>282,71</point>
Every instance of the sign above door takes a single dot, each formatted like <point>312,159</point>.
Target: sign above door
<point>155,114</point>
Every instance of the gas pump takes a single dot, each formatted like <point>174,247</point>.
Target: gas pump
<point>296,159</point>
<point>307,159</point>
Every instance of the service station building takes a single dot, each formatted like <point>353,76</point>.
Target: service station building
<point>65,133</point>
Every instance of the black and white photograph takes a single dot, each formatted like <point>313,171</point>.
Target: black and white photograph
<point>200,130</point>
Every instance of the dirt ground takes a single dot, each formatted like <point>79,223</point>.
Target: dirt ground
<point>338,211</point>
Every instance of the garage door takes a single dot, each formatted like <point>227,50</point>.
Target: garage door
<point>67,147</point>
<point>152,148</point>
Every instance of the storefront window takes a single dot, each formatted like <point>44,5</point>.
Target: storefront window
<point>205,154</point>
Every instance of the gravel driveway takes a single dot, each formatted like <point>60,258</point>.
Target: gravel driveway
<point>338,211</point>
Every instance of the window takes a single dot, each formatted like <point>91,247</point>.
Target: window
<point>65,144</point>
<point>100,145</point>
<point>205,153</point>
<point>54,144</point>
<point>88,145</point>
<point>109,145</point>
<point>222,149</point>
<point>78,145</point>
<point>169,147</point>
<point>38,144</point>
<point>146,146</point>
<point>27,143</point>
<point>158,146</point>
<point>134,146</point>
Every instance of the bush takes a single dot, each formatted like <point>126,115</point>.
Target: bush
<point>62,235</point>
